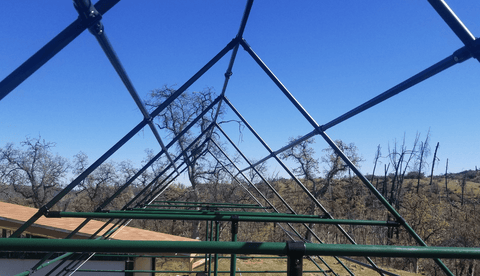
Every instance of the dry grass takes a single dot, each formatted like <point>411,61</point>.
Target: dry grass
<point>259,264</point>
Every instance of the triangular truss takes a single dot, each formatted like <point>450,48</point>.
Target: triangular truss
<point>90,18</point>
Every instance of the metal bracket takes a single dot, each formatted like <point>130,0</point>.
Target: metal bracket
<point>392,223</point>
<point>52,214</point>
<point>235,219</point>
<point>89,16</point>
<point>295,251</point>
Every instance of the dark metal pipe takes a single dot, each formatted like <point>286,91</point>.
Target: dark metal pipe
<point>207,206</point>
<point>108,233</point>
<point>265,198</point>
<point>216,217</point>
<point>50,49</point>
<point>229,247</point>
<point>155,179</point>
<point>453,21</point>
<point>277,152</point>
<point>205,203</point>
<point>117,65</point>
<point>92,167</point>
<point>297,181</point>
<point>194,78</point>
<point>273,189</point>
<point>459,56</point>
<point>228,73</point>
<point>387,205</point>
<point>214,212</point>
<point>279,84</point>
<point>77,180</point>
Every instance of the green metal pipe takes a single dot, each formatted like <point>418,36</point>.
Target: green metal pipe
<point>217,238</point>
<point>206,238</point>
<point>210,255</point>
<point>273,189</point>
<point>319,268</point>
<point>233,257</point>
<point>213,203</point>
<point>219,218</point>
<point>186,271</point>
<point>43,264</point>
<point>266,248</point>
<point>213,206</point>
<point>154,256</point>
<point>207,212</point>
<point>54,260</point>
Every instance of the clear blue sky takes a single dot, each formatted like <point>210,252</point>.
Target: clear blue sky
<point>332,55</point>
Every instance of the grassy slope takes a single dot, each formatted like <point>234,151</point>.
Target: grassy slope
<point>281,264</point>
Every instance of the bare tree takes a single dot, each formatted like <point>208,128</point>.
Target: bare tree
<point>175,118</point>
<point>33,170</point>
<point>463,185</point>
<point>308,168</point>
<point>435,158</point>
<point>334,164</point>
<point>304,156</point>
<point>96,186</point>
<point>253,177</point>
<point>446,179</point>
<point>378,154</point>
<point>424,151</point>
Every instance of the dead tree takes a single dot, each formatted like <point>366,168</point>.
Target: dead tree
<point>433,162</point>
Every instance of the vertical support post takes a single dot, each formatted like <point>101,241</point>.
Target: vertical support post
<point>210,254</point>
<point>296,251</point>
<point>154,265</point>
<point>129,266</point>
<point>206,239</point>
<point>233,259</point>
<point>217,238</point>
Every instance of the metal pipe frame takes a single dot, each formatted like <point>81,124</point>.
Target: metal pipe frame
<point>254,198</point>
<point>459,56</point>
<point>52,48</point>
<point>109,232</point>
<point>213,212</point>
<point>229,73</point>
<point>278,195</point>
<point>90,17</point>
<point>107,48</point>
<point>269,203</point>
<point>229,247</point>
<point>124,221</point>
<point>120,143</point>
<point>456,25</point>
<point>113,228</point>
<point>130,181</point>
<point>233,262</point>
<point>216,217</point>
<point>297,181</point>
<point>273,189</point>
<point>153,192</point>
<point>191,272</point>
<point>277,152</point>
<point>206,206</point>
<point>205,203</point>
<point>109,200</point>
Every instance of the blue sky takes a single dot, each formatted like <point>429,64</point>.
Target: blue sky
<point>332,56</point>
